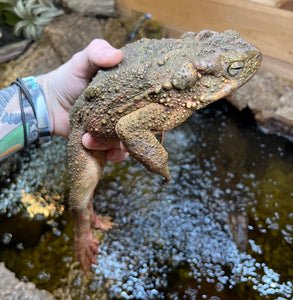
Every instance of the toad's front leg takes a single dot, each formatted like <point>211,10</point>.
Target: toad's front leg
<point>136,131</point>
<point>86,168</point>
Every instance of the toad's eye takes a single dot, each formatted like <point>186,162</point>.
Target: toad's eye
<point>235,68</point>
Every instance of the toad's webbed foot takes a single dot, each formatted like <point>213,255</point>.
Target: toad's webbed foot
<point>100,222</point>
<point>85,245</point>
<point>85,249</point>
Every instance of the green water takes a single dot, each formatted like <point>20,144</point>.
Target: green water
<point>169,242</point>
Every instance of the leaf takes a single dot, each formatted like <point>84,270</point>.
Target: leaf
<point>19,27</point>
<point>35,14</point>
<point>10,2</point>
<point>20,10</point>
<point>10,18</point>
<point>42,21</point>
<point>31,32</point>
<point>30,3</point>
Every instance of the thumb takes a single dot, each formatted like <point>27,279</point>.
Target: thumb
<point>99,53</point>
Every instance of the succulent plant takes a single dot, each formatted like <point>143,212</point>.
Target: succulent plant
<point>34,15</point>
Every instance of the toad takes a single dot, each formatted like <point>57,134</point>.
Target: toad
<point>157,86</point>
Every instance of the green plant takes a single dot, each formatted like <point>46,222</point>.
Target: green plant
<point>30,16</point>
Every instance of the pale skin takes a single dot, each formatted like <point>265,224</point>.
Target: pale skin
<point>64,85</point>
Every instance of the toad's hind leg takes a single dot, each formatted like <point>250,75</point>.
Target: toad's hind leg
<point>86,168</point>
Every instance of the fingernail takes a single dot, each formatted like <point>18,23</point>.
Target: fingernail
<point>85,139</point>
<point>109,51</point>
<point>89,142</point>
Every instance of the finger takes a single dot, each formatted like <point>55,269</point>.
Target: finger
<point>91,143</point>
<point>121,146</point>
<point>99,53</point>
<point>116,155</point>
<point>116,152</point>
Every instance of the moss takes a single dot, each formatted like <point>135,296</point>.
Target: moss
<point>118,30</point>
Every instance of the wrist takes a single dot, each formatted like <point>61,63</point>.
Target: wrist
<point>57,106</point>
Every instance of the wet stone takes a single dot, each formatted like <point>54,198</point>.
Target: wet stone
<point>11,288</point>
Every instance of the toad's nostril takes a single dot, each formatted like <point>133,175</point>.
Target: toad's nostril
<point>258,57</point>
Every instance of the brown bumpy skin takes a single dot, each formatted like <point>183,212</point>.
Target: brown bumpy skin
<point>157,86</point>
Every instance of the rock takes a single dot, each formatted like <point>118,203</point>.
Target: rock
<point>60,41</point>
<point>38,59</point>
<point>11,46</point>
<point>271,101</point>
<point>238,225</point>
<point>35,187</point>
<point>8,167</point>
<point>11,288</point>
<point>91,7</point>
<point>72,33</point>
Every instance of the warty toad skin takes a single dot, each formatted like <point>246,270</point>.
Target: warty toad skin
<point>157,86</point>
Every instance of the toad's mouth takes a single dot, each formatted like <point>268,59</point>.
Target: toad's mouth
<point>208,90</point>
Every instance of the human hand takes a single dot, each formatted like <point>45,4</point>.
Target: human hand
<point>64,85</point>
